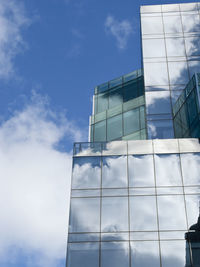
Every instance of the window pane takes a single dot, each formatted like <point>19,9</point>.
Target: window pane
<point>162,129</point>
<point>153,48</point>
<point>175,47</point>
<point>190,23</point>
<point>138,175</point>
<point>86,172</point>
<point>100,131</point>
<point>168,172</point>
<point>145,254</point>
<point>158,102</point>
<point>192,46</point>
<point>114,254</point>
<point>190,168</point>
<point>192,208</point>
<point>152,25</point>
<point>171,212</point>
<point>151,76</point>
<point>112,220</point>
<point>172,24</point>
<point>84,215</point>
<point>114,172</point>
<point>173,253</point>
<point>130,90</point>
<point>79,253</point>
<point>102,102</point>
<point>178,72</point>
<point>143,216</point>
<point>114,127</point>
<point>131,121</point>
<point>115,97</point>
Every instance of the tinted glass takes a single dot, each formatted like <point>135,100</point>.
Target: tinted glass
<point>102,102</point>
<point>100,131</point>
<point>158,102</point>
<point>130,90</point>
<point>114,127</point>
<point>115,97</point>
<point>162,129</point>
<point>131,121</point>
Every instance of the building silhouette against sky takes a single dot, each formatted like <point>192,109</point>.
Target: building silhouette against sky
<point>136,184</point>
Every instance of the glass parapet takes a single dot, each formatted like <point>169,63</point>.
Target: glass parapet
<point>186,110</point>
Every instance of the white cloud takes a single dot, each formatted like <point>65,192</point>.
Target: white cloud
<point>120,30</point>
<point>34,184</point>
<point>12,21</point>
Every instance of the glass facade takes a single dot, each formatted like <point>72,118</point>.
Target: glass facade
<point>186,111</point>
<point>137,202</point>
<point>119,109</point>
<point>133,204</point>
<point>171,55</point>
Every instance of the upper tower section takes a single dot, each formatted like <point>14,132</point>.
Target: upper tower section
<point>119,109</point>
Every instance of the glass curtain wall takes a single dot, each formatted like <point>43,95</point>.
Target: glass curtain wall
<point>119,109</point>
<point>125,215</point>
<point>171,55</point>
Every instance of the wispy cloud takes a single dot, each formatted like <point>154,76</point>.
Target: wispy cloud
<point>12,21</point>
<point>121,30</point>
<point>35,184</point>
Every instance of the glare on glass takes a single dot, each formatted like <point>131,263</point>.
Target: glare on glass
<point>190,163</point>
<point>111,219</point>
<point>152,25</point>
<point>151,71</point>
<point>153,48</point>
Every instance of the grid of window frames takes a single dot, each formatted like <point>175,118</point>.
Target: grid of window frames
<point>132,210</point>
<point>186,111</point>
<point>119,110</point>
<point>171,55</point>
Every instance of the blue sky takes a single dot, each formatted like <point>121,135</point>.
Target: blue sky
<point>52,55</point>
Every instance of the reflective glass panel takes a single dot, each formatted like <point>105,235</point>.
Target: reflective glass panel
<point>172,24</point>
<point>151,76</point>
<point>114,127</point>
<point>190,23</point>
<point>194,66</point>
<point>83,254</point>
<point>171,212</point>
<point>84,215</point>
<point>152,25</point>
<point>192,46</point>
<point>100,131</point>
<point>86,172</point>
<point>190,168</point>
<point>178,72</point>
<point>162,129</point>
<point>114,172</point>
<point>168,172</point>
<point>173,253</point>
<point>130,90</point>
<point>192,208</point>
<point>115,97</point>
<point>158,102</point>
<point>114,254</point>
<point>145,254</point>
<point>131,121</point>
<point>153,48</point>
<point>102,102</point>
<point>138,175</point>
<point>143,216</point>
<point>175,47</point>
<point>112,220</point>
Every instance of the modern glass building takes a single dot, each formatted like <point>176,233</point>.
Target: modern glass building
<point>136,202</point>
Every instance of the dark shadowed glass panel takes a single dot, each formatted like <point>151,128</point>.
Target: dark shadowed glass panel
<point>145,254</point>
<point>141,171</point>
<point>100,131</point>
<point>114,172</point>
<point>190,168</point>
<point>173,253</point>
<point>171,212</point>
<point>83,255</point>
<point>114,127</point>
<point>143,216</point>
<point>192,107</point>
<point>168,171</point>
<point>86,172</point>
<point>130,90</point>
<point>114,254</point>
<point>112,220</point>
<point>131,121</point>
<point>84,215</point>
